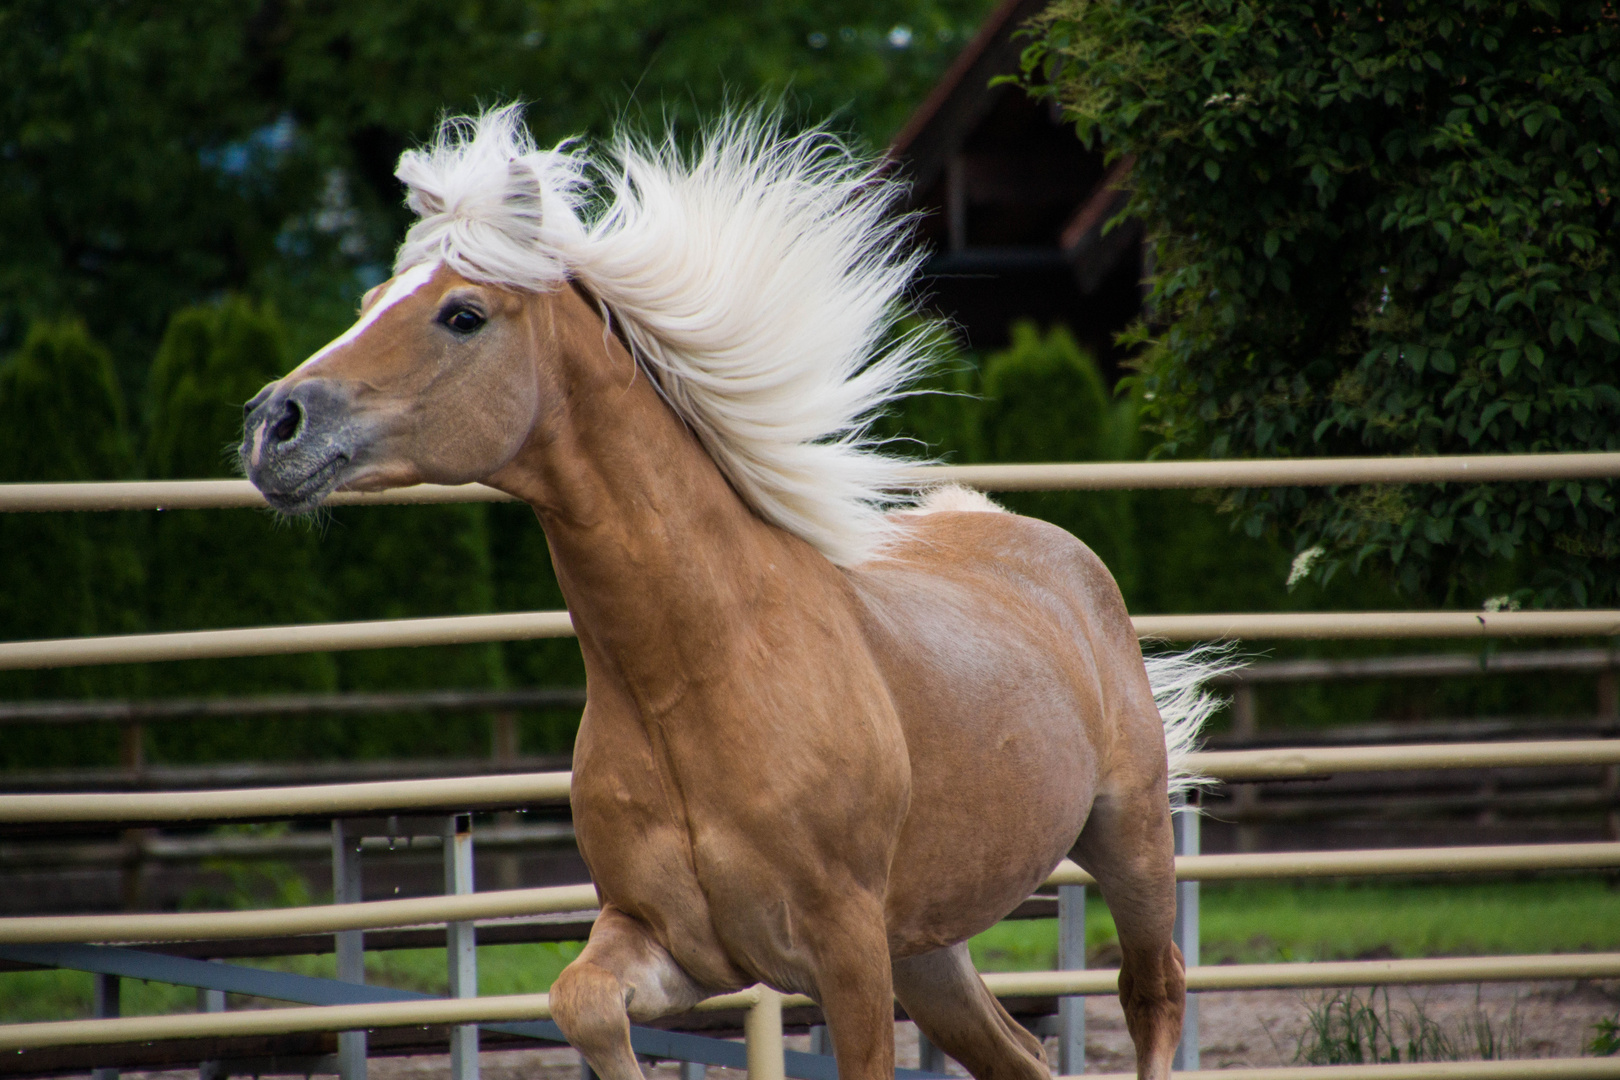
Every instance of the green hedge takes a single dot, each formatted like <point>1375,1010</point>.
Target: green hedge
<point>1377,230</point>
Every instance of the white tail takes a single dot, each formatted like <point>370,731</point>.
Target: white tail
<point>1185,705</point>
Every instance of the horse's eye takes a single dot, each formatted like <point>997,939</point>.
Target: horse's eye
<point>463,320</point>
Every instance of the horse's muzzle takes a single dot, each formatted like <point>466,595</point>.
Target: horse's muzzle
<point>297,441</point>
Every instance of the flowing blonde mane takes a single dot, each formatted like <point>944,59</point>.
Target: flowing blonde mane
<point>758,278</point>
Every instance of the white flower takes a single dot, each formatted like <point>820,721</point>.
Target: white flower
<point>1502,603</point>
<point>1303,562</point>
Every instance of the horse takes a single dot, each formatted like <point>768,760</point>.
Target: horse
<point>834,727</point>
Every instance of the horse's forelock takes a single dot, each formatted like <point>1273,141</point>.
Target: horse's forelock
<point>489,203</point>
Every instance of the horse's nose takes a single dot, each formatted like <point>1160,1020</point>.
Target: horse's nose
<point>258,399</point>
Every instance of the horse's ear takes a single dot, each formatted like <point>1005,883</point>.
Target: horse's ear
<point>423,203</point>
<point>522,190</point>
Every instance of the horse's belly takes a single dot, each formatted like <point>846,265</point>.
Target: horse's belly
<point>995,804</point>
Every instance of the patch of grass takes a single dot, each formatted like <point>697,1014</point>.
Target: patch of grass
<point>502,969</point>
<point>1265,922</point>
<point>1345,1028</point>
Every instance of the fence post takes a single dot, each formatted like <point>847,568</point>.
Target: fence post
<point>210,1001</point>
<point>503,751</point>
<point>351,955</point>
<point>461,945</point>
<point>1186,821</point>
<point>763,1030</point>
<point>1071,957</point>
<point>1609,708</point>
<point>930,1058</point>
<point>1245,797</point>
<point>108,990</point>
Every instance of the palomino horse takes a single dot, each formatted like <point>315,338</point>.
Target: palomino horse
<point>825,743</point>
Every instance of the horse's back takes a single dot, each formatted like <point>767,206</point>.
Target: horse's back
<point>1020,688</point>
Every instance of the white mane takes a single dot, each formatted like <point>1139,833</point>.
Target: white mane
<point>758,281</point>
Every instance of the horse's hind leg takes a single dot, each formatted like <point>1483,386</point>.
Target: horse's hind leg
<point>950,1003</point>
<point>621,974</point>
<point>1127,845</point>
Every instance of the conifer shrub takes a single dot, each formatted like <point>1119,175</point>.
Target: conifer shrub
<point>62,419</point>
<point>211,569</point>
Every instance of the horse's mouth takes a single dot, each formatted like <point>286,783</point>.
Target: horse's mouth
<point>310,492</point>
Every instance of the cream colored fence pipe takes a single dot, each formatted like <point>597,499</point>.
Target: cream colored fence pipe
<point>1055,476</point>
<point>1293,763</point>
<point>375,915</point>
<point>483,1010</point>
<point>1317,975</point>
<point>1603,1068</point>
<point>1314,625</point>
<point>1440,860</point>
<point>501,790</point>
<point>1298,472</point>
<point>276,640</point>
<point>213,495</point>
<point>471,629</point>
<point>278,922</point>
<point>284,1021</point>
<point>520,789</point>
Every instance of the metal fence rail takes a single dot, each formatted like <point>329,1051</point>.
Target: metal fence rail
<point>417,911</point>
<point>1323,974</point>
<point>1604,1068</point>
<point>495,1009</point>
<point>1055,476</point>
<point>487,792</point>
<point>351,702</point>
<point>316,919</point>
<point>517,626</point>
<point>125,710</point>
<point>514,790</point>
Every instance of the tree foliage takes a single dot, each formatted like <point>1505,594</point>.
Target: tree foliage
<point>1382,230</point>
<point>154,156</point>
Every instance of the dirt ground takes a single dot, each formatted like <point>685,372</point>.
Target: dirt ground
<point>1248,1028</point>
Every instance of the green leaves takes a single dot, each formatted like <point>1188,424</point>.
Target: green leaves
<point>1404,242</point>
<point>157,156</point>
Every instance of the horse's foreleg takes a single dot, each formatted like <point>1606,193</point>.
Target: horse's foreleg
<point>1128,847</point>
<point>621,975</point>
<point>856,991</point>
<point>948,1001</point>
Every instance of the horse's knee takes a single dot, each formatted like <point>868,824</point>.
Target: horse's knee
<point>587,1002</point>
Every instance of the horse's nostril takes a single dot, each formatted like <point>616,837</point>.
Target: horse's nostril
<point>287,427</point>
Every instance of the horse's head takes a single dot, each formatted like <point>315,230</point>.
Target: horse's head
<point>434,383</point>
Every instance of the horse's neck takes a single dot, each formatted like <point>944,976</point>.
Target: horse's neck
<point>653,548</point>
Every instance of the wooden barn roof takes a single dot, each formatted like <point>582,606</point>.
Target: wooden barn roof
<point>1014,204</point>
